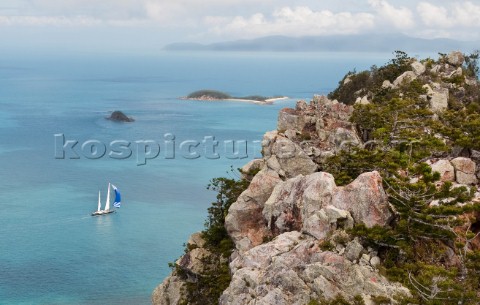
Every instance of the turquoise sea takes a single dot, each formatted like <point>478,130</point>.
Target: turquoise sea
<point>51,250</point>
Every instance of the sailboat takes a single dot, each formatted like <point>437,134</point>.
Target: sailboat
<point>107,209</point>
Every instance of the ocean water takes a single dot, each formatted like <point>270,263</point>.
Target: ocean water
<point>51,250</point>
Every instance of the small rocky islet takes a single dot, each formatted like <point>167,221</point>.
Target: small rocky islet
<point>119,116</point>
<point>341,209</point>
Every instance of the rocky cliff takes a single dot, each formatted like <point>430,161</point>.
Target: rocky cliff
<point>292,226</point>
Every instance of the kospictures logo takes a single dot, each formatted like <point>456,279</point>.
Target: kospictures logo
<point>168,148</point>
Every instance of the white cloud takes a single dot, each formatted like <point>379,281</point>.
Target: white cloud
<point>190,12</point>
<point>46,20</point>
<point>434,16</point>
<point>105,9</point>
<point>400,18</point>
<point>458,14</point>
<point>171,13</point>
<point>298,21</point>
<point>63,21</point>
<point>211,20</point>
<point>164,12</point>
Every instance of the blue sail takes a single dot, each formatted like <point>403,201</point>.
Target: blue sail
<point>118,198</point>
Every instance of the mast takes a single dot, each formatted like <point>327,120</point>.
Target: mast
<point>107,204</point>
<point>99,203</point>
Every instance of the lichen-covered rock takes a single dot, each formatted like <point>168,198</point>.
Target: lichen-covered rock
<point>292,269</point>
<point>289,119</point>
<point>291,134</point>
<point>436,69</point>
<point>365,199</point>
<point>244,222</point>
<point>353,250</point>
<point>456,72</point>
<point>316,225</point>
<point>252,167</point>
<point>170,292</point>
<point>196,240</point>
<point>418,68</point>
<point>387,84</point>
<point>465,165</point>
<point>343,138</point>
<point>362,100</point>
<point>444,168</point>
<point>326,128</point>
<point>471,81</point>
<point>375,261</point>
<point>438,99</point>
<point>429,89</point>
<point>294,201</point>
<point>301,105</point>
<point>193,261</point>
<point>465,170</point>
<point>405,78</point>
<point>173,288</point>
<point>287,158</point>
<point>339,218</point>
<point>455,58</point>
<point>302,204</point>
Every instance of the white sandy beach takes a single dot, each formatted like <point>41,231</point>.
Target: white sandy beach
<point>266,102</point>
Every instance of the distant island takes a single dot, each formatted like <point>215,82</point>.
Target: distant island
<point>334,43</point>
<point>215,95</point>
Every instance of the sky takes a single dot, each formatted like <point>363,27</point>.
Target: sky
<point>151,24</point>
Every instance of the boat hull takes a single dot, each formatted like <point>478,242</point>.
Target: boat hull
<point>101,213</point>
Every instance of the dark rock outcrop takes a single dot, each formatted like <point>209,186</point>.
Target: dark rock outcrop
<point>118,116</point>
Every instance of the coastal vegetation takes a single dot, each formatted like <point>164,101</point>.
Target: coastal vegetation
<point>212,94</point>
<point>404,132</point>
<point>207,287</point>
<point>355,84</point>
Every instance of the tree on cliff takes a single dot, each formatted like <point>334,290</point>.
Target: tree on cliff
<point>207,287</point>
<point>363,82</point>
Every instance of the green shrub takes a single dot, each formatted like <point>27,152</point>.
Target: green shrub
<point>458,80</point>
<point>402,133</point>
<point>461,127</point>
<point>370,82</point>
<point>471,64</point>
<point>394,68</point>
<point>326,246</point>
<point>254,98</point>
<point>338,300</point>
<point>218,95</point>
<point>207,288</point>
<point>345,93</point>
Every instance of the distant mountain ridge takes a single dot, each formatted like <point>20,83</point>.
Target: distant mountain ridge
<point>343,43</point>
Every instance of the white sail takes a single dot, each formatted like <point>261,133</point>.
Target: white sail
<point>107,204</point>
<point>99,203</point>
